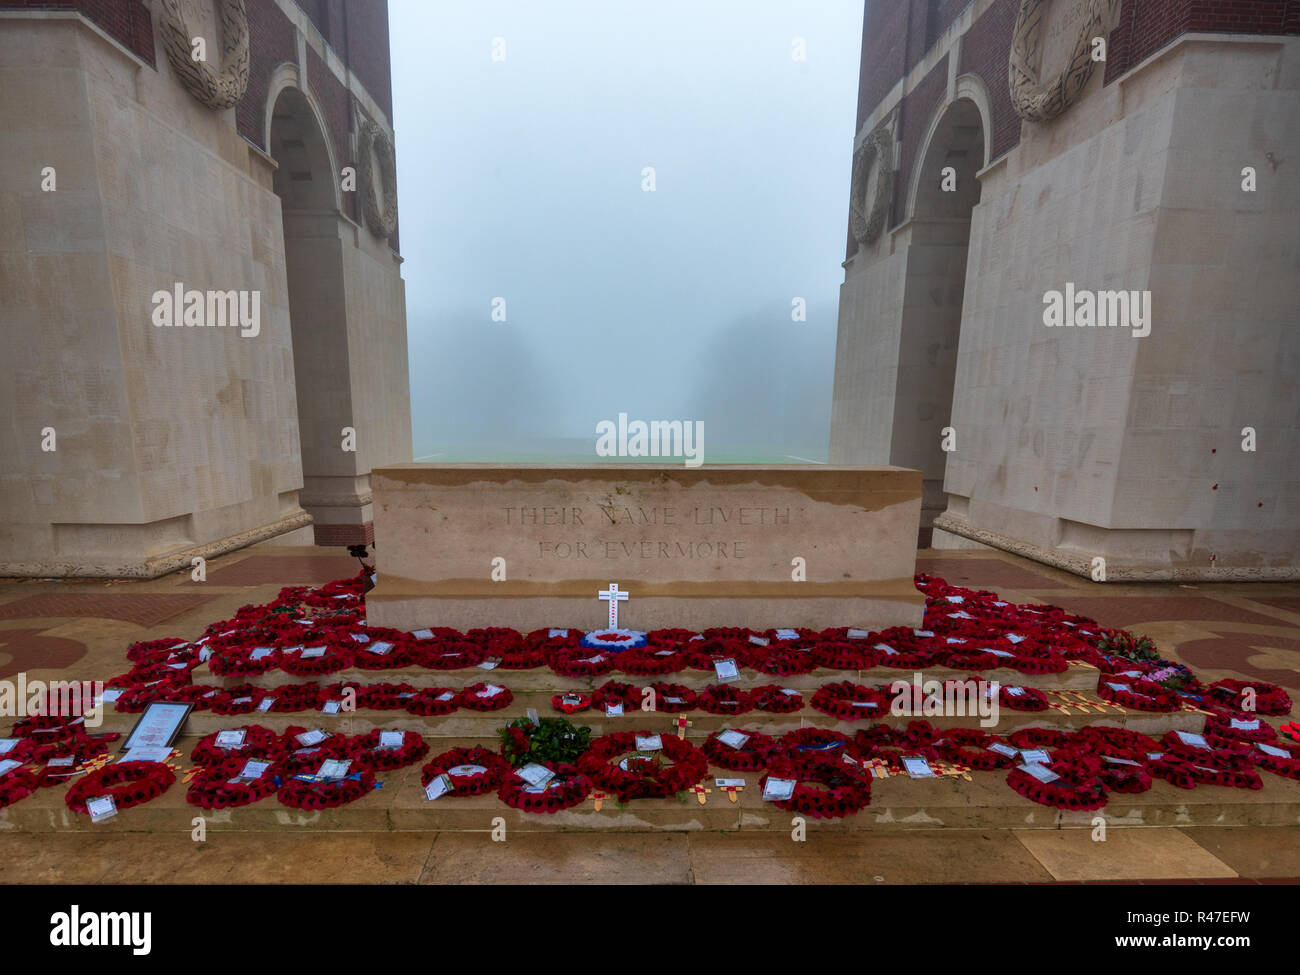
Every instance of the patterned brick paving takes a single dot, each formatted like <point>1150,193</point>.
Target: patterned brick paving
<point>27,650</point>
<point>1124,611</point>
<point>141,608</point>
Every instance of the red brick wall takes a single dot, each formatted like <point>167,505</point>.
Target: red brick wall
<point>271,44</point>
<point>984,50</point>
<point>365,48</point>
<point>884,27</point>
<point>1145,26</point>
<point>344,534</point>
<point>334,101</point>
<point>126,21</point>
<point>918,109</point>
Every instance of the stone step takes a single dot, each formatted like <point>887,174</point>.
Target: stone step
<point>898,804</point>
<point>484,724</point>
<point>1080,676</point>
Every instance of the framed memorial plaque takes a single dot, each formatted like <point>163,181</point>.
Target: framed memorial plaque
<point>159,725</point>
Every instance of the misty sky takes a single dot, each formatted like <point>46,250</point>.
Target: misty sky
<point>522,179</point>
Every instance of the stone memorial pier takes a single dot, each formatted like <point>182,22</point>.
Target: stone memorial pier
<point>475,545</point>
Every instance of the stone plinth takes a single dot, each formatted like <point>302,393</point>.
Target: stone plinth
<point>693,547</point>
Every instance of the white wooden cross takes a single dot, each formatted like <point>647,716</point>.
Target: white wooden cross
<point>613,595</point>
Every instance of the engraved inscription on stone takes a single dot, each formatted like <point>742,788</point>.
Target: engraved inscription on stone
<point>617,532</point>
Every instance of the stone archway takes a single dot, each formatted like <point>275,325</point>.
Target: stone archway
<point>305,181</point>
<point>945,189</point>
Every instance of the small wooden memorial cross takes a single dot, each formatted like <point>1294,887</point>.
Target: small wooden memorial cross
<point>700,792</point>
<point>614,596</point>
<point>681,724</point>
<point>878,767</point>
<point>731,791</point>
<point>599,798</point>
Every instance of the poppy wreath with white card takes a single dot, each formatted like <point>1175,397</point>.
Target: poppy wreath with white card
<point>580,662</point>
<point>309,662</point>
<point>642,776</point>
<point>240,699</point>
<point>781,660</point>
<point>127,783</point>
<point>669,638</point>
<point>467,780</point>
<point>395,657</point>
<point>1136,694</point>
<point>723,699</point>
<point>289,698</point>
<point>614,692</point>
<point>1022,698</point>
<point>136,699</point>
<point>524,658</point>
<point>773,699</point>
<point>452,655</point>
<point>218,785</point>
<point>302,758</point>
<point>143,650</point>
<point>977,659</point>
<point>481,697</point>
<point>1247,727</point>
<point>568,788</point>
<point>673,698</point>
<point>368,748</point>
<point>704,654</point>
<point>1219,753</point>
<point>241,663</point>
<point>1287,764</point>
<point>972,747</point>
<point>385,696</point>
<point>571,702</point>
<point>1028,661</point>
<point>1269,698</point>
<point>845,654</point>
<point>848,701</point>
<point>810,740</point>
<point>299,794</point>
<point>18,783</point>
<point>824,789</point>
<point>1172,769</point>
<point>1107,740</point>
<point>1077,784</point>
<point>1040,738</point>
<point>651,661</point>
<point>1124,775</point>
<point>432,701</point>
<point>753,754</point>
<point>149,675</point>
<point>258,742</point>
<point>553,638</point>
<point>200,695</point>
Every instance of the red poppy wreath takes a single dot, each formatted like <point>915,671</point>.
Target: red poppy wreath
<point>128,783</point>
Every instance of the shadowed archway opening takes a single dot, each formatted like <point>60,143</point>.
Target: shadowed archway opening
<point>305,181</point>
<point>947,191</point>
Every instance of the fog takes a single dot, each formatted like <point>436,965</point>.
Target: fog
<point>522,179</point>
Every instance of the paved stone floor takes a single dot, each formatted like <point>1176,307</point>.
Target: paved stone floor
<point>78,629</point>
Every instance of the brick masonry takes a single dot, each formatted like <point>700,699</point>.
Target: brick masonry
<point>357,31</point>
<point>896,34</point>
<point>345,534</point>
